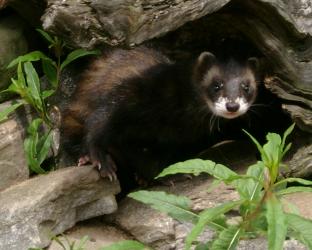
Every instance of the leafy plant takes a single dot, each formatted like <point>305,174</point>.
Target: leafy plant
<point>260,207</point>
<point>67,244</point>
<point>27,86</point>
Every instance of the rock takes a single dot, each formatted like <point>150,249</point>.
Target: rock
<point>147,226</point>
<point>13,165</point>
<point>300,165</point>
<point>12,44</point>
<point>261,244</point>
<point>34,210</point>
<point>99,235</point>
<point>116,22</point>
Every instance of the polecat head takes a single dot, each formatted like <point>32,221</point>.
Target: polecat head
<point>229,87</point>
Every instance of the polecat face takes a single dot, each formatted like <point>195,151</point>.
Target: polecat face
<point>229,88</point>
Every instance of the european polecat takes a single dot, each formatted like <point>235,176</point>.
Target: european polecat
<point>137,104</point>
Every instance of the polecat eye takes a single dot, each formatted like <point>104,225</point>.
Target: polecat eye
<point>245,86</point>
<point>217,86</point>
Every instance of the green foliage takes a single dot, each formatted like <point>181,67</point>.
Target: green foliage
<point>277,227</point>
<point>177,207</point>
<point>300,228</point>
<point>259,204</point>
<point>206,217</point>
<point>227,239</point>
<point>27,86</point>
<point>37,145</point>
<point>67,244</point>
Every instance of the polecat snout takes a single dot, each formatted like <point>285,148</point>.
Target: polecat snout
<point>135,107</point>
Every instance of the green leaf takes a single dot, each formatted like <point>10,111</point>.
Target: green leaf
<point>291,180</point>
<point>33,83</point>
<point>178,207</point>
<point>264,156</point>
<point>126,245</point>
<point>272,150</point>
<point>29,146</point>
<point>49,70</point>
<point>76,54</point>
<point>250,189</point>
<point>30,57</point>
<point>286,149</point>
<point>205,217</point>
<point>197,166</point>
<point>286,134</point>
<point>302,227</point>
<point>47,93</point>
<point>291,190</point>
<point>46,146</point>
<point>4,113</point>
<point>227,239</point>
<point>46,35</point>
<point>21,82</point>
<point>33,127</point>
<point>277,227</point>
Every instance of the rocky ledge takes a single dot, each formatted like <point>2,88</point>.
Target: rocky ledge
<point>37,209</point>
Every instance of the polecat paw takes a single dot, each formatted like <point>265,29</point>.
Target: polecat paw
<point>108,169</point>
<point>83,160</point>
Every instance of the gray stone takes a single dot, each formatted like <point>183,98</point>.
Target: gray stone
<point>116,22</point>
<point>12,44</point>
<point>13,165</point>
<point>145,224</point>
<point>34,210</point>
<point>261,244</point>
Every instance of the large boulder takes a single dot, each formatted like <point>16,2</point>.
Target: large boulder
<point>13,165</point>
<point>33,211</point>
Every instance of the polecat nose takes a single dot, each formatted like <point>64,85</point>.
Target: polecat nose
<point>232,106</point>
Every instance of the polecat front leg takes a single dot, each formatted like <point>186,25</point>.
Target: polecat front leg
<point>97,131</point>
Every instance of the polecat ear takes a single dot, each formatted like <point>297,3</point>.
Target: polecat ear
<point>203,63</point>
<point>253,63</point>
<point>206,60</point>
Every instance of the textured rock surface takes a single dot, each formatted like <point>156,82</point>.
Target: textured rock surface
<point>99,235</point>
<point>116,22</point>
<point>13,165</point>
<point>12,44</point>
<point>34,210</point>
